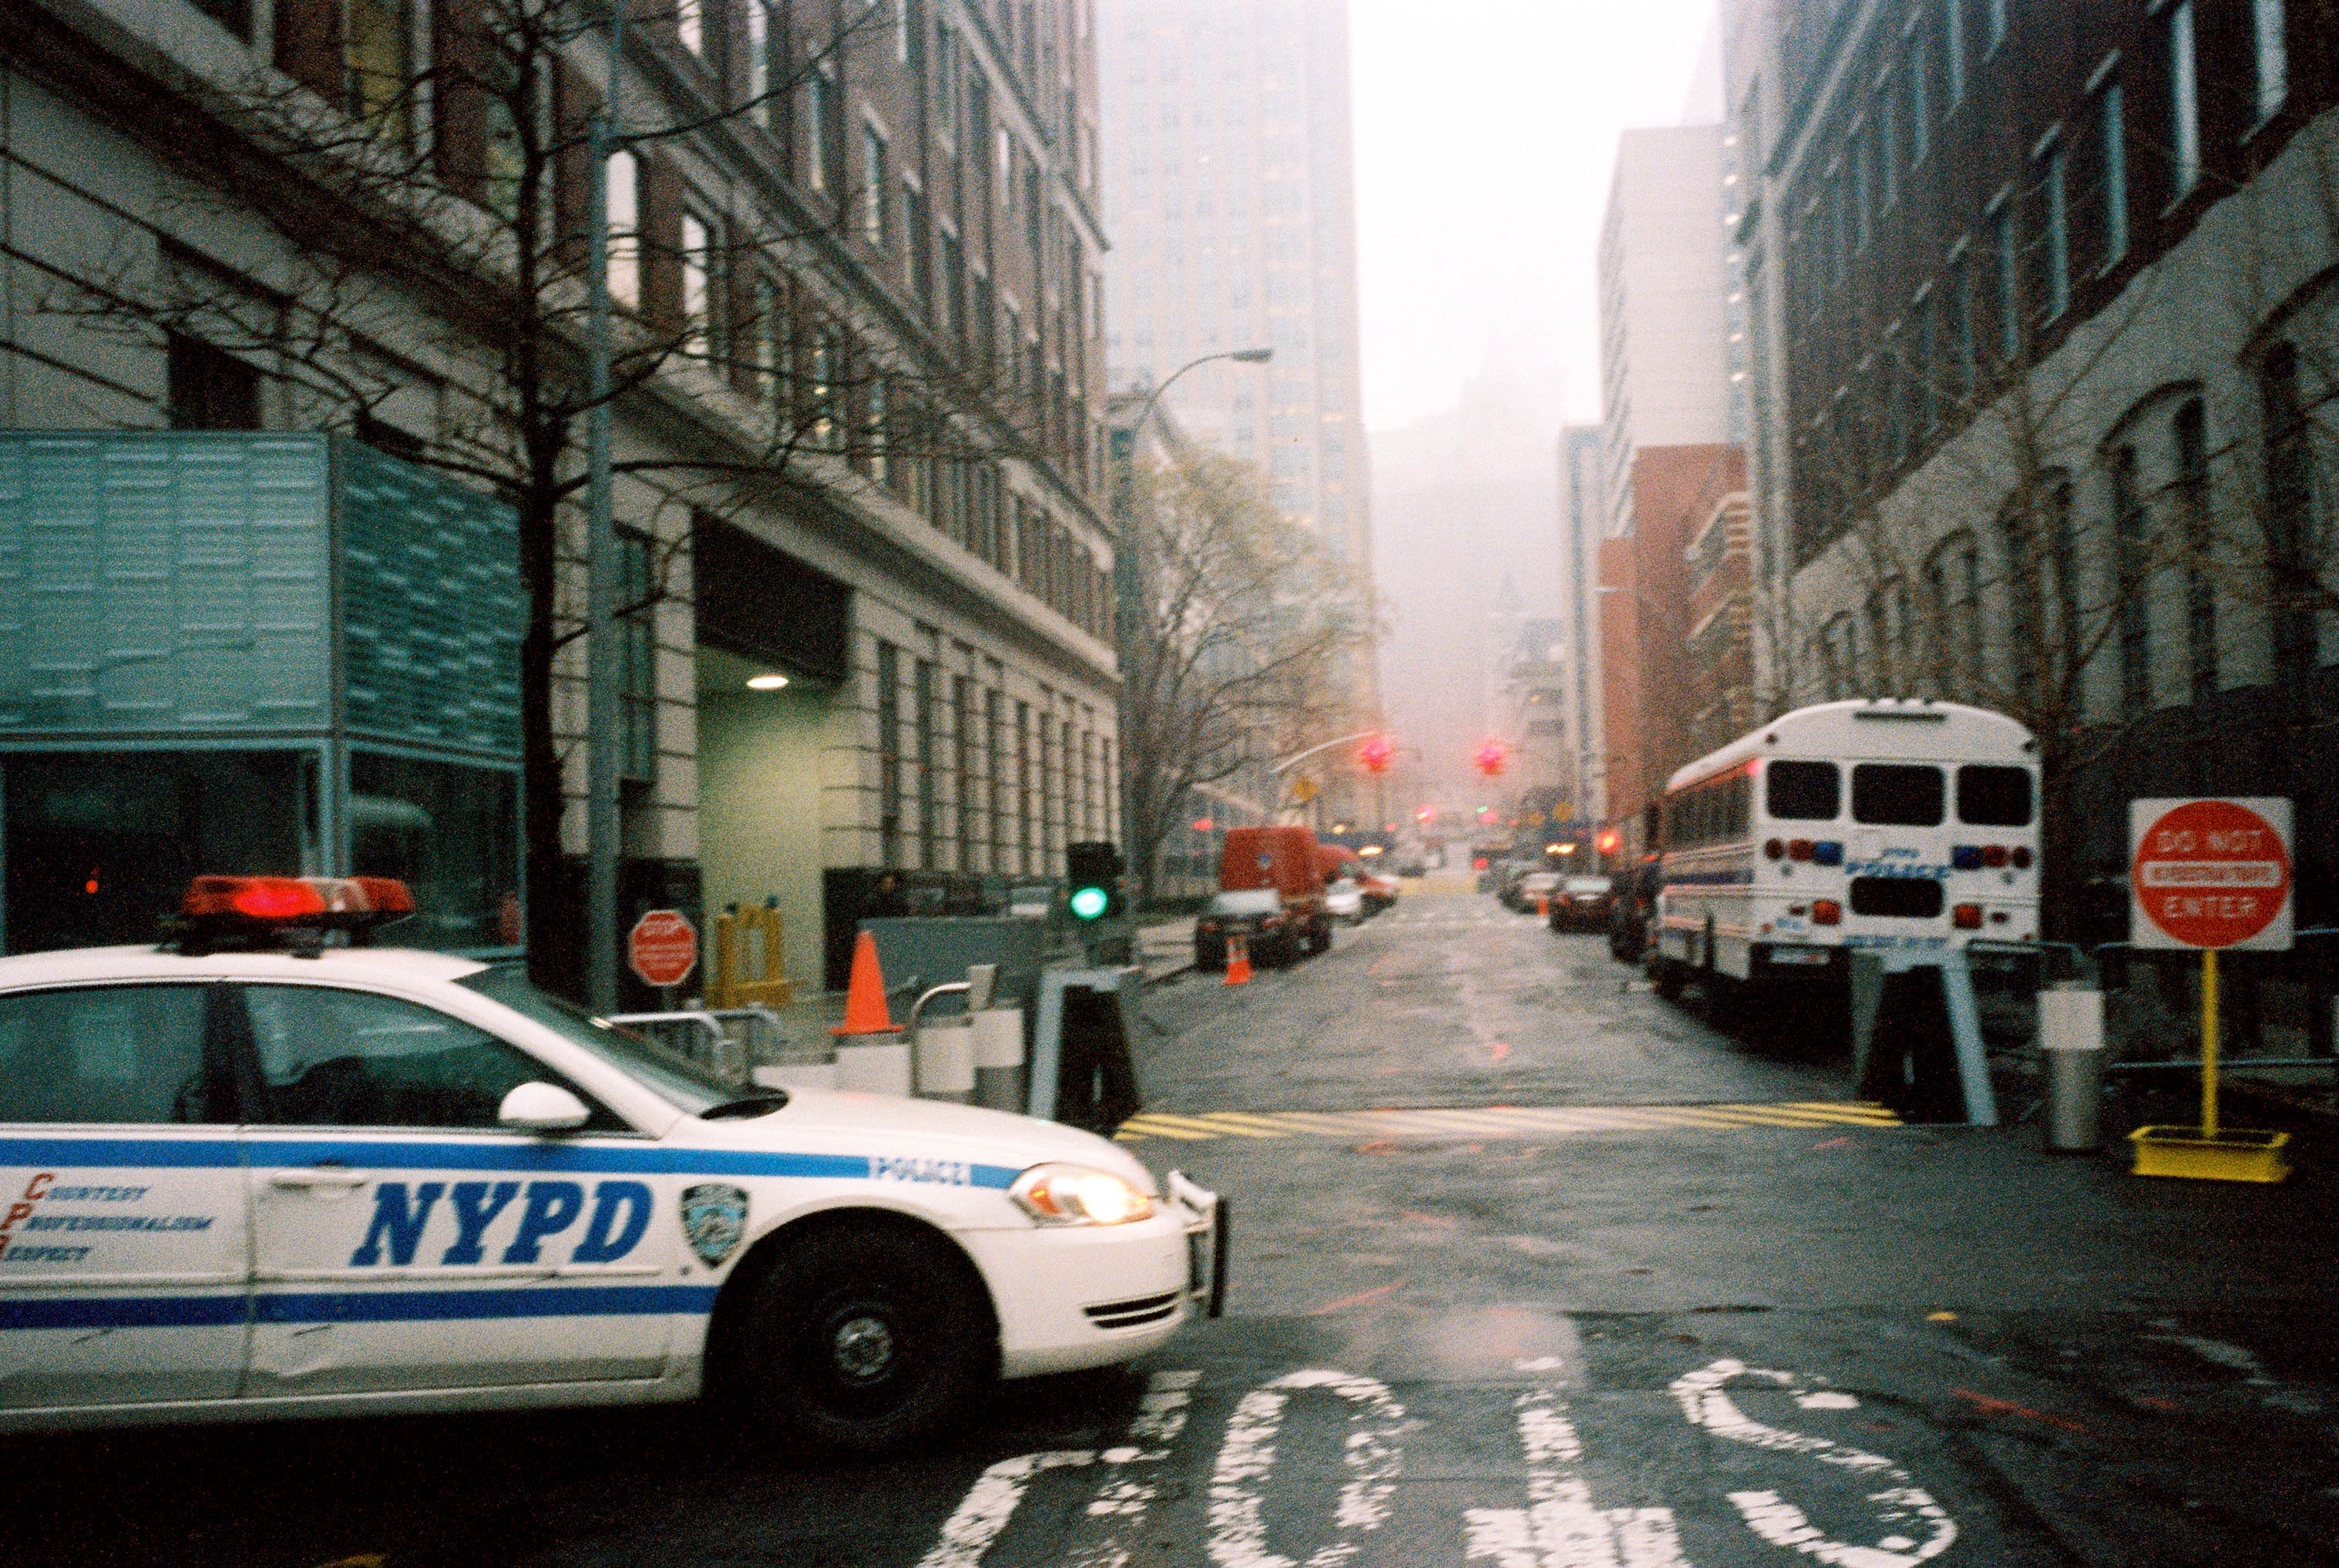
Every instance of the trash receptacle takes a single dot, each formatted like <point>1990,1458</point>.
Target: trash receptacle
<point>2071,1058</point>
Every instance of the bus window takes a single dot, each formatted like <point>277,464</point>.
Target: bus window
<point>1896,794</point>
<point>1802,792</point>
<point>1738,793</point>
<point>1994,796</point>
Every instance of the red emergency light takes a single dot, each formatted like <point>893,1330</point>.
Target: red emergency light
<point>291,912</point>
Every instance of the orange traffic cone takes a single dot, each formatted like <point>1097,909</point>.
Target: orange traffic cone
<point>1542,905</point>
<point>1238,959</point>
<point>864,999</point>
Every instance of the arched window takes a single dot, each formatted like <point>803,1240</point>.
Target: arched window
<point>2132,585</point>
<point>2289,513</point>
<point>2188,435</point>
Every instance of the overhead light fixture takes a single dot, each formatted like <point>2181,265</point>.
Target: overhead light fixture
<point>770,682</point>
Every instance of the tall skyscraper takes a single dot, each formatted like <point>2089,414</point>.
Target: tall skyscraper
<point>1230,207</point>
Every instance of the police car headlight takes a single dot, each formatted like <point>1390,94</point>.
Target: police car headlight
<point>1077,1195</point>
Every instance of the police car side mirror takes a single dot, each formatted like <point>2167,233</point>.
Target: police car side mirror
<point>541,1108</point>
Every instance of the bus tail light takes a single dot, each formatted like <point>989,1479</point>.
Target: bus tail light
<point>2020,857</point>
<point>1798,849</point>
<point>1993,855</point>
<point>1772,849</point>
<point>1966,917</point>
<point>1826,911</point>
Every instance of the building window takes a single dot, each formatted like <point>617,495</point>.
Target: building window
<point>1953,49</point>
<point>1888,147</point>
<point>823,119</point>
<point>2290,527</point>
<point>2270,55</point>
<point>207,388</point>
<point>2134,586</point>
<point>876,209</point>
<point>889,753</point>
<point>770,349</point>
<point>962,739</point>
<point>2189,434</point>
<point>823,425</point>
<point>377,59</point>
<point>2111,150</point>
<point>1953,584</point>
<point>994,729</point>
<point>929,806</point>
<point>1023,812</point>
<point>690,26</point>
<point>1959,301</point>
<point>1921,104</point>
<point>637,597</point>
<point>2009,281</point>
<point>760,40</point>
<point>625,230</point>
<point>701,286</point>
<point>873,451</point>
<point>2056,216</point>
<point>2184,103</point>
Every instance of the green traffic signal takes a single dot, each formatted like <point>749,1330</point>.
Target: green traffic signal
<point>1088,902</point>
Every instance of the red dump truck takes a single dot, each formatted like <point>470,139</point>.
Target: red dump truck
<point>1283,858</point>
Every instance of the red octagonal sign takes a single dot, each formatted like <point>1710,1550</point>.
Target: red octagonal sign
<point>663,948</point>
<point>2210,873</point>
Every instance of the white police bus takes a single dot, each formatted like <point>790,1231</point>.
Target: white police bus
<point>1874,822</point>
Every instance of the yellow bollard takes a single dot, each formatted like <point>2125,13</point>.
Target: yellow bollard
<point>768,985</point>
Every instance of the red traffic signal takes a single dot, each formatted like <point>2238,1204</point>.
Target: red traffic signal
<point>1490,758</point>
<point>1376,753</point>
<point>1609,842</point>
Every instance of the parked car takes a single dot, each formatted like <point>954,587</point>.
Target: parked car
<point>1284,858</point>
<point>1270,936</point>
<point>1631,907</point>
<point>1581,903</point>
<point>1345,901</point>
<point>1529,886</point>
<point>1379,889</point>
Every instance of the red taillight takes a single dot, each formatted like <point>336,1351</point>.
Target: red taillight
<point>1772,849</point>
<point>1993,854</point>
<point>1826,911</point>
<point>1798,849</point>
<point>1966,917</point>
<point>2020,857</point>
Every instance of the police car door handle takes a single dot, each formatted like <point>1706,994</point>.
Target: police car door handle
<point>317,1176</point>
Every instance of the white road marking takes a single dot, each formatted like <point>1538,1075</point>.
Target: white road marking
<point>1238,1509</point>
<point>1901,1508</point>
<point>1560,1528</point>
<point>990,1502</point>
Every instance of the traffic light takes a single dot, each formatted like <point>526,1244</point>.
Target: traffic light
<point>1093,871</point>
<point>1609,842</point>
<point>1491,757</point>
<point>1376,753</point>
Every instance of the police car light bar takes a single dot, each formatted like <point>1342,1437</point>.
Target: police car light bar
<point>269,910</point>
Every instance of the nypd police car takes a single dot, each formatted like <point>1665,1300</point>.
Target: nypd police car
<point>268,1169</point>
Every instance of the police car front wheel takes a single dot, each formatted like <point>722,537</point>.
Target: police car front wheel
<point>864,1341</point>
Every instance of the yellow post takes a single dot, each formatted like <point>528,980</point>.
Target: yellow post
<point>2209,1042</point>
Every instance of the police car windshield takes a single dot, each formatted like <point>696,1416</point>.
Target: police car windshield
<point>692,1087</point>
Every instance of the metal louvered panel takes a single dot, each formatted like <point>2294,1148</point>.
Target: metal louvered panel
<point>431,606</point>
<point>128,602</point>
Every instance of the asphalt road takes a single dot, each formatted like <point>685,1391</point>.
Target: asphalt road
<point>1532,1270</point>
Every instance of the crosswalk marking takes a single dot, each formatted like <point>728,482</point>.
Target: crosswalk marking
<point>1460,1123</point>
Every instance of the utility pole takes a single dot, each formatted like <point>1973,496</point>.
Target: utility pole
<point>602,568</point>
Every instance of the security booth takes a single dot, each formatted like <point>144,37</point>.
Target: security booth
<point>230,652</point>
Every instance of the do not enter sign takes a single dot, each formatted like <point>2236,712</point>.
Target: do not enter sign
<point>663,948</point>
<point>2210,873</point>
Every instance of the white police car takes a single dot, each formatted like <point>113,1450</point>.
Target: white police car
<point>250,1173</point>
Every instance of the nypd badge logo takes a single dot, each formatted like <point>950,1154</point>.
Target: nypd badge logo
<point>713,1220</point>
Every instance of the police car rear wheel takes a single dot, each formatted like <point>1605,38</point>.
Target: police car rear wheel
<point>864,1342</point>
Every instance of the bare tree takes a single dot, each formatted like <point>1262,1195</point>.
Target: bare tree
<point>1234,626</point>
<point>395,219</point>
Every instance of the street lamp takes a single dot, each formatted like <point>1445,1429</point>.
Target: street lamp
<point>1124,565</point>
